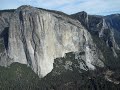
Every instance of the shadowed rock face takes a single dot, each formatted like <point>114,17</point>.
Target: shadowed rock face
<point>5,17</point>
<point>104,29</point>
<point>36,37</point>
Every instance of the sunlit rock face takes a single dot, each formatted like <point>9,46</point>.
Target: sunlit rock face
<point>37,37</point>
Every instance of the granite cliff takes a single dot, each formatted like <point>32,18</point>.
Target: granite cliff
<point>37,37</point>
<point>55,44</point>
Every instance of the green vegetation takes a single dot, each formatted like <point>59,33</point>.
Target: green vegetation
<point>74,80</point>
<point>110,61</point>
<point>18,77</point>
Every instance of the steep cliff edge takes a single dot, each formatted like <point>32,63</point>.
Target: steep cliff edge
<point>5,17</point>
<point>37,37</point>
<point>79,51</point>
<point>106,34</point>
<point>107,27</point>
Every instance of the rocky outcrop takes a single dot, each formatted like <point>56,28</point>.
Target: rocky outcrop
<point>37,37</point>
<point>105,28</point>
<point>104,25</point>
<point>5,17</point>
<point>78,51</point>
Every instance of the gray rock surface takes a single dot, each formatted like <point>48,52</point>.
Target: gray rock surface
<point>5,17</point>
<point>107,27</point>
<point>36,37</point>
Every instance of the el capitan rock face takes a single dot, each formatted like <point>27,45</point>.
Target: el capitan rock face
<point>37,37</point>
<point>52,43</point>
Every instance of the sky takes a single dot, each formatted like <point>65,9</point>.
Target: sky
<point>98,7</point>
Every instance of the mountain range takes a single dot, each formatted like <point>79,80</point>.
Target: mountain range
<point>49,50</point>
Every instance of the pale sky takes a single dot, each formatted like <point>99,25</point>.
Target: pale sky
<point>100,7</point>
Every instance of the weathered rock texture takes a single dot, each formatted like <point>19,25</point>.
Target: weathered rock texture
<point>106,27</point>
<point>5,17</point>
<point>105,31</point>
<point>36,37</point>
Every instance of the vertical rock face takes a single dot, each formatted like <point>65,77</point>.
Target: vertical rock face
<point>105,28</point>
<point>77,51</point>
<point>37,37</point>
<point>5,16</point>
<point>5,19</point>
